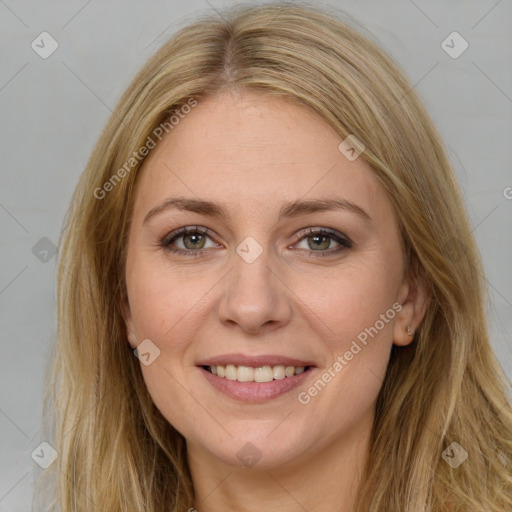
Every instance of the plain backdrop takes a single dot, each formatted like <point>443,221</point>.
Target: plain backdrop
<point>54,108</point>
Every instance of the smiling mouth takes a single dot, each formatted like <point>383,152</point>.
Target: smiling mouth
<point>255,374</point>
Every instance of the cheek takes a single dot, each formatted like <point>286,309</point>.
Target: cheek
<point>355,297</point>
<point>165,306</point>
<point>358,308</point>
<point>170,305</point>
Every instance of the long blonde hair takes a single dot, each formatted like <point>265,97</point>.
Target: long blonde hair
<point>116,450</point>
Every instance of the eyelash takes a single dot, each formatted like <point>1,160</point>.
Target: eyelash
<point>343,240</point>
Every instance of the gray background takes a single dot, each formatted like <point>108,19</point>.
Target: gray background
<point>53,110</point>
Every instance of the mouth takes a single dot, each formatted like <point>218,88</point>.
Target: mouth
<point>255,379</point>
<point>264,373</point>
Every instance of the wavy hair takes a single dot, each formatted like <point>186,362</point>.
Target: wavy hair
<point>116,450</point>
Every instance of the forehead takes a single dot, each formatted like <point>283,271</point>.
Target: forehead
<point>251,151</point>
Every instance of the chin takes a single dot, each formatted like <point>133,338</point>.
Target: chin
<point>258,452</point>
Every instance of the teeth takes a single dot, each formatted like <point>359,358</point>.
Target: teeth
<point>231,372</point>
<point>245,374</point>
<point>289,371</point>
<point>263,374</point>
<point>260,374</point>
<point>279,372</point>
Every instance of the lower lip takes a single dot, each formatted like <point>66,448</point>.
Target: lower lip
<point>255,392</point>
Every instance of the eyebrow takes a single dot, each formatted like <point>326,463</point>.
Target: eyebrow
<point>290,210</point>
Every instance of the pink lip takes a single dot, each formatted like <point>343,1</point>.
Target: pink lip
<point>254,392</point>
<point>254,361</point>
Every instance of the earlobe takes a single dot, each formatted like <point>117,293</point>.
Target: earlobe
<point>130,331</point>
<point>414,300</point>
<point>132,340</point>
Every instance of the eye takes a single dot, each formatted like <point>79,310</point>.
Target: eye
<point>321,241</point>
<point>192,241</point>
<point>188,240</point>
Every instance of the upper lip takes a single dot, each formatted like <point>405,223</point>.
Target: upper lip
<point>254,361</point>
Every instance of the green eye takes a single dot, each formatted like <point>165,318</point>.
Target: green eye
<point>320,241</point>
<point>193,241</point>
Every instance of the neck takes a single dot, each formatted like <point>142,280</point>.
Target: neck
<point>318,481</point>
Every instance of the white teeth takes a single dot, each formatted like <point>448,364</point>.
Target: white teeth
<point>279,372</point>
<point>260,374</point>
<point>231,372</point>
<point>245,374</point>
<point>263,374</point>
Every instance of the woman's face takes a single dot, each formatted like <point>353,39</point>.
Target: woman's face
<point>277,278</point>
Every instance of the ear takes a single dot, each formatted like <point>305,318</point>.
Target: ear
<point>130,331</point>
<point>413,296</point>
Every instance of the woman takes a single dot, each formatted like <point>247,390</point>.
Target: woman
<point>269,294</point>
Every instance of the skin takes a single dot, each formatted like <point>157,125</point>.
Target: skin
<point>253,153</point>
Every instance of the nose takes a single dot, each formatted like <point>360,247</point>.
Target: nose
<point>254,298</point>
